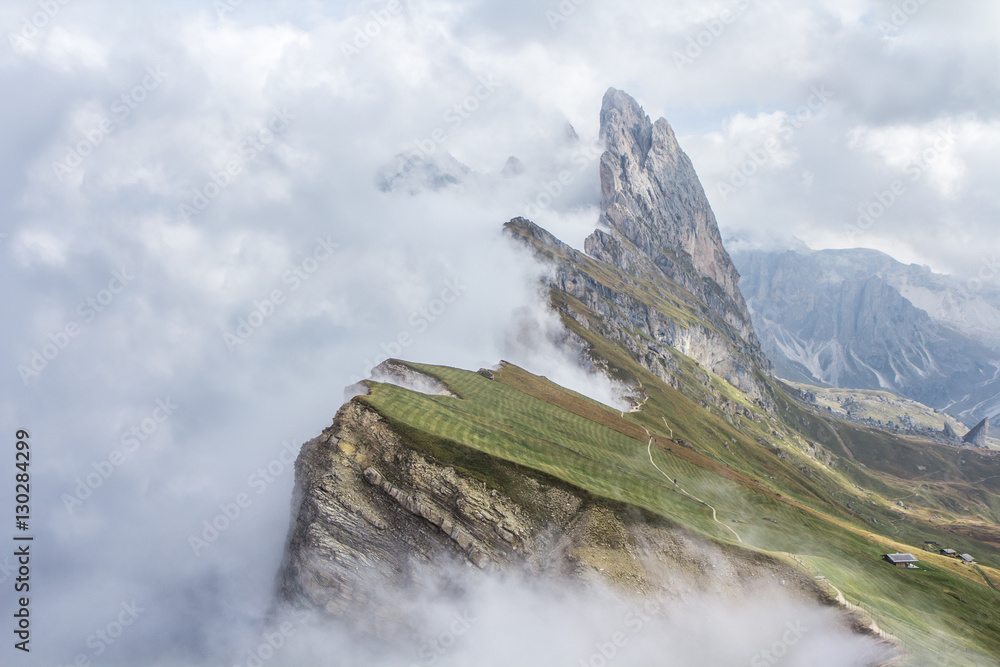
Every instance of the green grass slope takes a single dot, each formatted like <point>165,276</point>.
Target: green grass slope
<point>837,519</point>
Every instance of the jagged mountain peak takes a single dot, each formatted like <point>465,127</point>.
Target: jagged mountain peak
<point>513,167</point>
<point>416,173</point>
<point>621,114</point>
<point>979,435</point>
<point>660,235</point>
<point>651,195</point>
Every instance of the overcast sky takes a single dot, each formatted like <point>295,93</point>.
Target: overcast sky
<point>165,168</point>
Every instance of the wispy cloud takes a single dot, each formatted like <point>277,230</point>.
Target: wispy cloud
<point>227,71</point>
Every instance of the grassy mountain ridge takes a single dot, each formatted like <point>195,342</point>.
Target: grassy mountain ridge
<point>529,421</point>
<point>768,474</point>
<point>765,476</point>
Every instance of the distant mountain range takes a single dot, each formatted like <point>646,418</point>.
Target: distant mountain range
<point>859,319</point>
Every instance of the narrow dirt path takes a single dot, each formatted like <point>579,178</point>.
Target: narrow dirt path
<point>715,515</point>
<point>847,449</point>
<point>847,604</point>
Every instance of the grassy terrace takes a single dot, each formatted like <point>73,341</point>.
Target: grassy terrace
<point>764,497</point>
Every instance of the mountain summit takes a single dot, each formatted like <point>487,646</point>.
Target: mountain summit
<point>663,283</point>
<point>651,195</point>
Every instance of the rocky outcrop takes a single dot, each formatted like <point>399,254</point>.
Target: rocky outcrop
<point>375,513</point>
<point>979,435</point>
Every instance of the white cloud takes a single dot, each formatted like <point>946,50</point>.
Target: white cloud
<point>929,150</point>
<point>38,246</point>
<point>195,279</point>
<point>66,51</point>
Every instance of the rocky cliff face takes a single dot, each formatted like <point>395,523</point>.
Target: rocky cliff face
<point>651,196</point>
<point>843,318</point>
<point>374,516</point>
<point>674,286</point>
<point>643,311</point>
